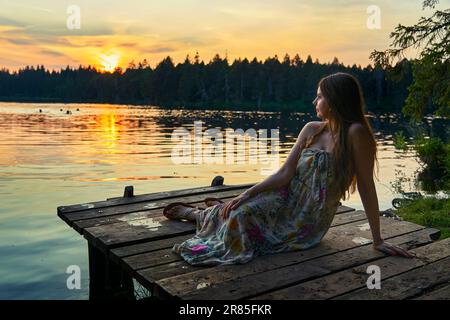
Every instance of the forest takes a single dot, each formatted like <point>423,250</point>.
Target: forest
<point>287,84</point>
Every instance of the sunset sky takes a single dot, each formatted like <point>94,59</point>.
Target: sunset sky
<point>113,33</point>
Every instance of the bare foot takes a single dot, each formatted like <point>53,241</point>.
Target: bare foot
<point>181,212</point>
<point>211,203</point>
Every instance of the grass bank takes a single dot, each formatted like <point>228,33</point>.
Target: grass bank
<point>430,212</point>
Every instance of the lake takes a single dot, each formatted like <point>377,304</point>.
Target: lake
<point>54,154</point>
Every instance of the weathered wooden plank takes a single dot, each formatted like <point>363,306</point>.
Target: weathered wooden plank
<point>335,242</point>
<point>79,225</point>
<point>154,258</point>
<point>106,213</point>
<point>256,284</point>
<point>125,251</point>
<point>157,209</point>
<point>149,276</point>
<point>136,249</point>
<point>62,210</point>
<point>87,219</point>
<point>135,231</point>
<point>348,217</point>
<point>147,259</point>
<point>121,233</point>
<point>139,231</point>
<point>407,285</point>
<point>153,273</point>
<point>138,261</point>
<point>121,252</point>
<point>440,293</point>
<point>344,209</point>
<point>342,282</point>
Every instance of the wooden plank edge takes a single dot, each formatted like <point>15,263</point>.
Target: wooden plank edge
<point>148,197</point>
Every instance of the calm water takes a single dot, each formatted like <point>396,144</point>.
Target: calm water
<point>52,158</point>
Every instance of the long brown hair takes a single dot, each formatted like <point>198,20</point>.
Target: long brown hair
<point>344,96</point>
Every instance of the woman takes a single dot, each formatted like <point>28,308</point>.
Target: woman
<point>293,208</point>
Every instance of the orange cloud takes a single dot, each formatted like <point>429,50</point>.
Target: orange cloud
<point>152,30</point>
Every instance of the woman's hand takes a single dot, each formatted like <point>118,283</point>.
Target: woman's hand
<point>235,203</point>
<point>392,249</point>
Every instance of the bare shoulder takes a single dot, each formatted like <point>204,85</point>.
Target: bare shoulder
<point>357,128</point>
<point>358,131</point>
<point>312,126</point>
<point>308,130</point>
<point>359,135</point>
<point>315,124</point>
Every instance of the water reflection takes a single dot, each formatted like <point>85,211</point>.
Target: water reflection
<point>53,158</point>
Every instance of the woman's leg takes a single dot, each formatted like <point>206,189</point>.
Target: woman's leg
<point>181,212</point>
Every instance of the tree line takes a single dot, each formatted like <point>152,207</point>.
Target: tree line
<point>287,84</point>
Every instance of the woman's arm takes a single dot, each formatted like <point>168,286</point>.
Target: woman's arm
<point>282,177</point>
<point>363,153</point>
<point>287,171</point>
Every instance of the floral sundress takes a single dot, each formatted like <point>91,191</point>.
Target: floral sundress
<point>293,217</point>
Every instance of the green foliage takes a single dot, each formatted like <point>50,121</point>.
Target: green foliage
<point>435,154</point>
<point>431,72</point>
<point>430,212</point>
<point>430,91</point>
<point>400,141</point>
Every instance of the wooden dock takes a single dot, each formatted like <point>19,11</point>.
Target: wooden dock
<point>128,237</point>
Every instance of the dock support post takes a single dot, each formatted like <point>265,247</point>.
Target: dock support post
<point>128,192</point>
<point>217,181</point>
<point>107,281</point>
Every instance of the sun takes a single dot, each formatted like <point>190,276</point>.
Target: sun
<point>109,62</point>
